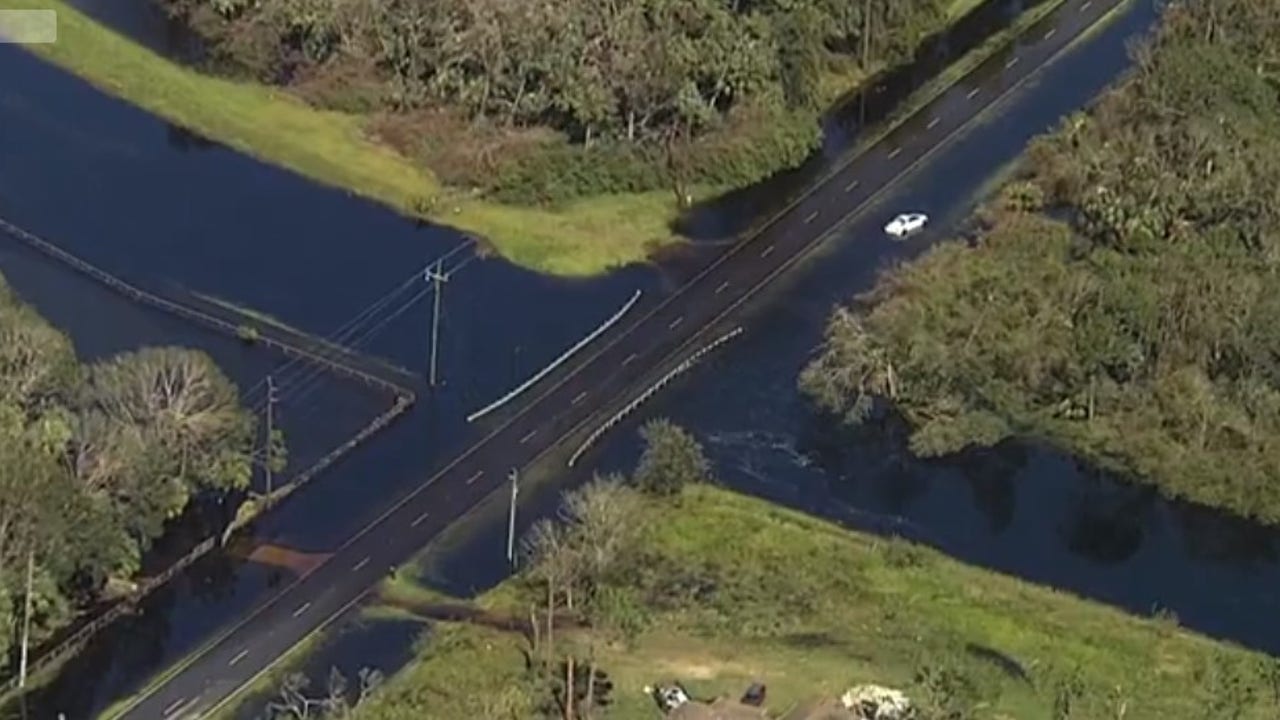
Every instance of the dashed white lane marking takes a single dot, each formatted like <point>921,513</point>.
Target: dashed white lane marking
<point>173,706</point>
<point>972,93</point>
<point>722,287</point>
<point>851,186</point>
<point>932,124</point>
<point>808,219</point>
<point>767,252</point>
<point>630,357</point>
<point>894,153</point>
<point>529,437</point>
<point>301,609</point>
<point>418,520</point>
<point>1050,33</point>
<point>362,563</point>
<point>239,656</point>
<point>675,322</point>
<point>475,477</point>
<point>1012,61</point>
<point>579,398</point>
<point>1086,5</point>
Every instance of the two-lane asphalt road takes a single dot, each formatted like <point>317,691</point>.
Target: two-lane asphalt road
<point>566,404</point>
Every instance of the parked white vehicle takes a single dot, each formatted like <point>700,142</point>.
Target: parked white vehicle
<point>669,697</point>
<point>906,224</point>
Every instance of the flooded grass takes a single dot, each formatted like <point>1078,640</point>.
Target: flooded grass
<point>343,647</point>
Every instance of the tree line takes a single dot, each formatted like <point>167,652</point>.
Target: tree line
<point>1120,299</point>
<point>96,458</point>
<point>627,77</point>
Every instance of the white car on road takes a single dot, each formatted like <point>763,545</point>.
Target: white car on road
<point>906,224</point>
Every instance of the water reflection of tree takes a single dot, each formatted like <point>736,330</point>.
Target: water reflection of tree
<point>990,473</point>
<point>131,648</point>
<point>869,461</point>
<point>213,578</point>
<point>183,139</point>
<point>1218,537</point>
<point>1106,521</point>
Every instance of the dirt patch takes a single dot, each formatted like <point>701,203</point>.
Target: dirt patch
<point>692,665</point>
<point>283,557</point>
<point>471,614</point>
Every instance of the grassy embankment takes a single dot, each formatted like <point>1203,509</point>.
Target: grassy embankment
<point>583,237</point>
<point>810,608</point>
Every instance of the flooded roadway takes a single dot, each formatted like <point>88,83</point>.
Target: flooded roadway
<point>210,220</point>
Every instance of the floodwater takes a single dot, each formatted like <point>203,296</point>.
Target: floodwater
<point>127,192</point>
<point>147,23</point>
<point>1020,508</point>
<point>170,211</point>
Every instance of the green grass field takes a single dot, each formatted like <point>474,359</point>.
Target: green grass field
<point>809,609</point>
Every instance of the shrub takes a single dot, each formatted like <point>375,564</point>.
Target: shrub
<point>248,333</point>
<point>534,166</point>
<point>345,84</point>
<point>672,459</point>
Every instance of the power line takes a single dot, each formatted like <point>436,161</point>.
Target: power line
<point>302,380</point>
<point>306,384</point>
<point>345,329</point>
<point>338,335</point>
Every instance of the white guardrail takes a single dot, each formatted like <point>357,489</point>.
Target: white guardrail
<point>557,362</point>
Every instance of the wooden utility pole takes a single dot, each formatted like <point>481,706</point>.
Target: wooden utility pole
<point>511,518</point>
<point>271,411</point>
<point>436,275</point>
<point>26,620</point>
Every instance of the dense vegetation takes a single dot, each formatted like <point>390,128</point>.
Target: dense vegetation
<point>94,459</point>
<point>1121,300</point>
<point>653,580</point>
<point>554,100</point>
